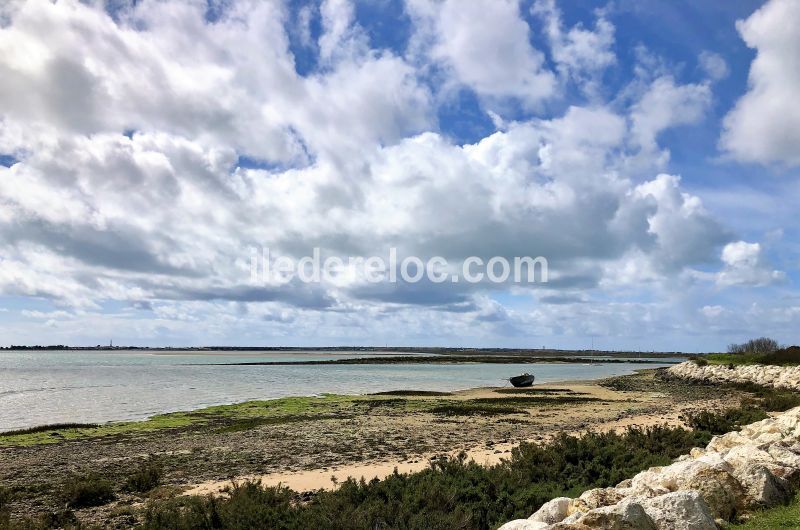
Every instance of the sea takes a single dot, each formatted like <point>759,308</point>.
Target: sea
<point>45,387</point>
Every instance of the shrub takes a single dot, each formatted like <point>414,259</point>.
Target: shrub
<point>699,361</point>
<point>144,478</point>
<point>87,491</point>
<point>758,346</point>
<point>768,398</point>
<point>5,513</point>
<point>790,355</point>
<point>451,493</point>
<point>729,420</point>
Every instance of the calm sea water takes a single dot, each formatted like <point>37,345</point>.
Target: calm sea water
<point>43,387</point>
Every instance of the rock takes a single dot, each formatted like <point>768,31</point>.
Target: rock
<point>727,441</point>
<point>762,489</point>
<point>597,498</point>
<point>553,511</point>
<point>680,510</point>
<point>625,515</point>
<point>570,526</point>
<point>573,518</point>
<point>524,524</point>
<point>719,489</point>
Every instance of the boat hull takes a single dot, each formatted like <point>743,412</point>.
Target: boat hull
<point>522,380</point>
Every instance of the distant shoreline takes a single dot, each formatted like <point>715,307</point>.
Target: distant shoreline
<point>446,359</point>
<point>463,352</point>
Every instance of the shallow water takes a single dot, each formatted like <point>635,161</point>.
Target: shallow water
<point>40,387</point>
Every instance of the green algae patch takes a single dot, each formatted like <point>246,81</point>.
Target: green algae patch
<point>215,418</point>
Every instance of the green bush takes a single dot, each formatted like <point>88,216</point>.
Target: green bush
<point>790,355</point>
<point>144,478</point>
<point>730,420</point>
<point>5,512</point>
<point>451,493</point>
<point>87,491</point>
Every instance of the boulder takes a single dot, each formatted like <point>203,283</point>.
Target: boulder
<point>597,498</point>
<point>719,489</point>
<point>762,489</point>
<point>524,524</point>
<point>553,511</point>
<point>680,510</point>
<point>743,456</point>
<point>570,526</point>
<point>626,515</point>
<point>727,442</point>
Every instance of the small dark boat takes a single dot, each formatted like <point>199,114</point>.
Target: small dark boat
<point>525,379</point>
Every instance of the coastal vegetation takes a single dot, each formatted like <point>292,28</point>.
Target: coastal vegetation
<point>759,346</point>
<point>145,477</point>
<point>87,491</point>
<point>451,493</point>
<point>763,350</point>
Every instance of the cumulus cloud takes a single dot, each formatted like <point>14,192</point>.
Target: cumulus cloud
<point>131,180</point>
<point>485,44</point>
<point>666,104</point>
<point>745,265</point>
<point>581,54</point>
<point>764,126</point>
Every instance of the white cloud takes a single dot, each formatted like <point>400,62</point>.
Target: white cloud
<point>745,265</point>
<point>127,187</point>
<point>486,45</point>
<point>764,126</point>
<point>581,54</point>
<point>341,36</point>
<point>665,104</point>
<point>714,65</point>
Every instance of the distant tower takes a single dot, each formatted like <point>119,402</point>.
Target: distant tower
<point>111,343</point>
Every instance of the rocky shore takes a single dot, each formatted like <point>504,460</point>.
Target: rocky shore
<point>759,374</point>
<point>738,472</point>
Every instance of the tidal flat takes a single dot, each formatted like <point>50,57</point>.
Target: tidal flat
<point>303,441</point>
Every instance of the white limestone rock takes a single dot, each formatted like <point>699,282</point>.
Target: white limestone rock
<point>524,524</point>
<point>626,515</point>
<point>762,489</point>
<point>597,498</point>
<point>680,510</point>
<point>553,511</point>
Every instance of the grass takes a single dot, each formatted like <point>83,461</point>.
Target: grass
<point>783,357</point>
<point>782,517</point>
<point>729,358</point>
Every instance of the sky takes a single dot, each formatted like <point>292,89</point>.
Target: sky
<point>649,150</point>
